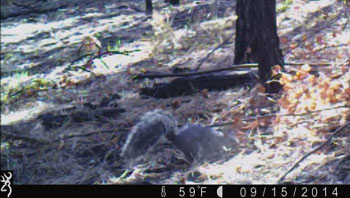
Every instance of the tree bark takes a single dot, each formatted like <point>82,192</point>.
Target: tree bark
<point>149,7</point>
<point>257,39</point>
<point>173,2</point>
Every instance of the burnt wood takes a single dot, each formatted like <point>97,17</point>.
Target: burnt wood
<point>193,84</point>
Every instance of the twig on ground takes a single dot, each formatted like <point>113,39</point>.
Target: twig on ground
<point>99,55</point>
<point>336,132</point>
<point>311,64</point>
<point>71,67</point>
<point>26,138</point>
<point>30,10</point>
<point>233,67</point>
<point>274,115</point>
<point>44,141</point>
<point>331,46</point>
<point>26,7</point>
<point>210,53</point>
<point>250,65</point>
<point>82,135</point>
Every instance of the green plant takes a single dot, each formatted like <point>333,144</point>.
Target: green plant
<point>284,6</point>
<point>15,91</point>
<point>115,48</point>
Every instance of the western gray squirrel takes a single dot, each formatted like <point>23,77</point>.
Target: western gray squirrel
<point>195,141</point>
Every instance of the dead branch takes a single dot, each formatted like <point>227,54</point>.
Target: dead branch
<point>31,10</point>
<point>192,84</point>
<point>210,53</point>
<point>250,65</point>
<point>26,138</point>
<point>311,64</point>
<point>44,141</point>
<point>335,133</point>
<point>331,46</point>
<point>233,67</point>
<point>275,115</point>
<point>82,135</point>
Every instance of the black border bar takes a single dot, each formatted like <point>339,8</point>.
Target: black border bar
<point>179,191</point>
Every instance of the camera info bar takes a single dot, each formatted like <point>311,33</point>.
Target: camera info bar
<point>184,191</point>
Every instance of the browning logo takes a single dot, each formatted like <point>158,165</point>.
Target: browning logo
<point>6,182</point>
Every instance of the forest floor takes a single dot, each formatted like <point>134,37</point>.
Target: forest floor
<point>41,78</point>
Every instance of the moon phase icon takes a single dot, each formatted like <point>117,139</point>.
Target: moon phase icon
<point>219,191</point>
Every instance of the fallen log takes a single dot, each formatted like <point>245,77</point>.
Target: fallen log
<point>192,84</point>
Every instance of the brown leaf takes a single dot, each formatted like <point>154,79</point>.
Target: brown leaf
<point>205,93</point>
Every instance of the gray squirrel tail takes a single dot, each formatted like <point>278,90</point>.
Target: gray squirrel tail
<point>147,132</point>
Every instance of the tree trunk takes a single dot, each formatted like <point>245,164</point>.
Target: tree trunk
<point>149,7</point>
<point>257,39</point>
<point>173,2</point>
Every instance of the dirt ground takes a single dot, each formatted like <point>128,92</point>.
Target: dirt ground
<point>42,46</point>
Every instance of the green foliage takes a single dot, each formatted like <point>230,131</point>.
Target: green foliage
<point>15,91</point>
<point>98,34</point>
<point>115,48</point>
<point>283,7</point>
<point>8,56</point>
<point>20,75</point>
<point>4,146</point>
